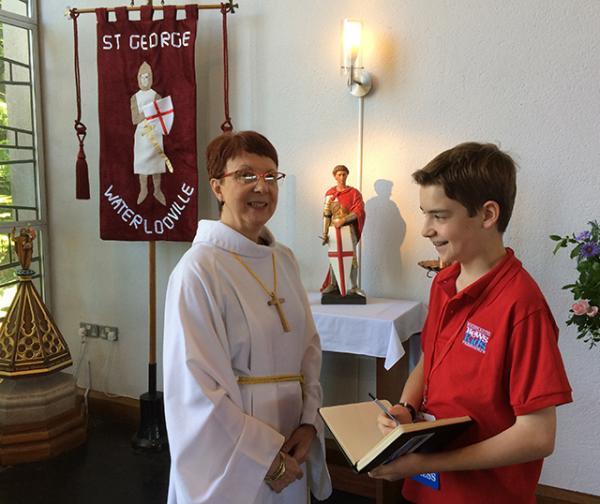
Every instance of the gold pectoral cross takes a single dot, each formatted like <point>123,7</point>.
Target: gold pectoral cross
<point>276,302</point>
<point>275,299</point>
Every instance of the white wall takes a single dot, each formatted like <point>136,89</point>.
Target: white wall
<point>522,74</point>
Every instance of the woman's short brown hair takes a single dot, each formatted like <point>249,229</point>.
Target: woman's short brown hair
<point>473,173</point>
<point>231,145</point>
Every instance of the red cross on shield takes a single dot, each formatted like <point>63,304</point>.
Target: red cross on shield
<point>341,254</point>
<point>160,115</point>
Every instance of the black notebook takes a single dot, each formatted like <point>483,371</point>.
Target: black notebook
<point>354,427</point>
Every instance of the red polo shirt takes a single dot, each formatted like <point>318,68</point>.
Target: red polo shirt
<point>490,352</point>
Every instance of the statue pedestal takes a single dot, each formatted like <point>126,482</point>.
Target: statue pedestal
<point>40,417</point>
<point>336,298</point>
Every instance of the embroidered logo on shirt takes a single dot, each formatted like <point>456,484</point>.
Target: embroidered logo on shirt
<point>476,337</point>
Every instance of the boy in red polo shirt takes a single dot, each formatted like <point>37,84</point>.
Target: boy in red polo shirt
<point>489,343</point>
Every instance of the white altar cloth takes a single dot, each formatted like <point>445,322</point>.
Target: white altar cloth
<point>376,329</point>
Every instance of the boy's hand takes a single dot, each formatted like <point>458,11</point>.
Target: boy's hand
<point>402,467</point>
<point>386,424</point>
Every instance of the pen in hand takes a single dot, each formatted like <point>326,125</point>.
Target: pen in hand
<point>384,409</point>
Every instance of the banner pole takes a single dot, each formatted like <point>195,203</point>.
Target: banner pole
<point>152,433</point>
<point>152,317</point>
<point>229,5</point>
<point>152,308</point>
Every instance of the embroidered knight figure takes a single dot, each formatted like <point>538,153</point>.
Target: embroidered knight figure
<point>149,158</point>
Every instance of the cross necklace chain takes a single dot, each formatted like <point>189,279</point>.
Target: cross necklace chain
<point>274,300</point>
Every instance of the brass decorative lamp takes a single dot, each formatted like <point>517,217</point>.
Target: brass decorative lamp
<point>30,342</point>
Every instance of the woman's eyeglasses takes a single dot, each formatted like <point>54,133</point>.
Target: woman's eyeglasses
<point>247,177</point>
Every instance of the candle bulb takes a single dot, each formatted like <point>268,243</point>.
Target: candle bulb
<point>352,44</point>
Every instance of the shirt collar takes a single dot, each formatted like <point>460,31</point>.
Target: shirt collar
<point>222,236</point>
<point>447,277</point>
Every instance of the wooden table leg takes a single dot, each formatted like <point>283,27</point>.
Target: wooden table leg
<point>389,384</point>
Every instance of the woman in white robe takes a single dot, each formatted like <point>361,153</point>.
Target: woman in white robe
<point>238,443</point>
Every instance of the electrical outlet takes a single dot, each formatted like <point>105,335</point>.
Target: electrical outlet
<point>88,330</point>
<point>109,333</point>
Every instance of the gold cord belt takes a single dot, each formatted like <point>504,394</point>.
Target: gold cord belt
<point>251,380</point>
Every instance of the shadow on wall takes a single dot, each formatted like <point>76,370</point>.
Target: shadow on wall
<point>383,235</point>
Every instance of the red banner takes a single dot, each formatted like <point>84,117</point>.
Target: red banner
<point>147,112</point>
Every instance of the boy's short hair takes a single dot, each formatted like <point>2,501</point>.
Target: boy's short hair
<point>473,173</point>
<point>233,144</point>
<point>340,167</point>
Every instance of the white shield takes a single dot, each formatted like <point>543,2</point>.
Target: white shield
<point>341,254</point>
<point>160,115</point>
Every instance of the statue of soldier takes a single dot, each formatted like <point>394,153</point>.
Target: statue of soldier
<point>343,222</point>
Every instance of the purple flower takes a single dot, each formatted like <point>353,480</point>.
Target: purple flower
<point>584,236</point>
<point>589,250</point>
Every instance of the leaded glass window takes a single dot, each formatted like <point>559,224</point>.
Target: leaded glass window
<point>21,202</point>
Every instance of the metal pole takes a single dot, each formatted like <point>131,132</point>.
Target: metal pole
<point>360,175</point>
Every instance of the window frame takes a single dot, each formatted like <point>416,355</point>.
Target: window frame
<point>31,23</point>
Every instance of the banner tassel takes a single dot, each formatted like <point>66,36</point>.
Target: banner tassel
<point>82,181</point>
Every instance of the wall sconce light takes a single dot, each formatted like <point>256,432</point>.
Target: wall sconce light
<point>359,80</point>
<point>359,83</point>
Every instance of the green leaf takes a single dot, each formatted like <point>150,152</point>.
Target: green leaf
<point>559,245</point>
<point>575,251</point>
<point>555,237</point>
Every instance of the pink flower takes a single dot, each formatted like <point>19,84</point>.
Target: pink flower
<point>581,307</point>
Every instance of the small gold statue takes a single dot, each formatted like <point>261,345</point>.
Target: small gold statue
<point>24,246</point>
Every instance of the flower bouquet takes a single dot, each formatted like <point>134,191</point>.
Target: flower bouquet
<point>586,289</point>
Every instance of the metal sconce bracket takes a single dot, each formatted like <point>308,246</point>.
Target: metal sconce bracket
<point>359,82</point>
